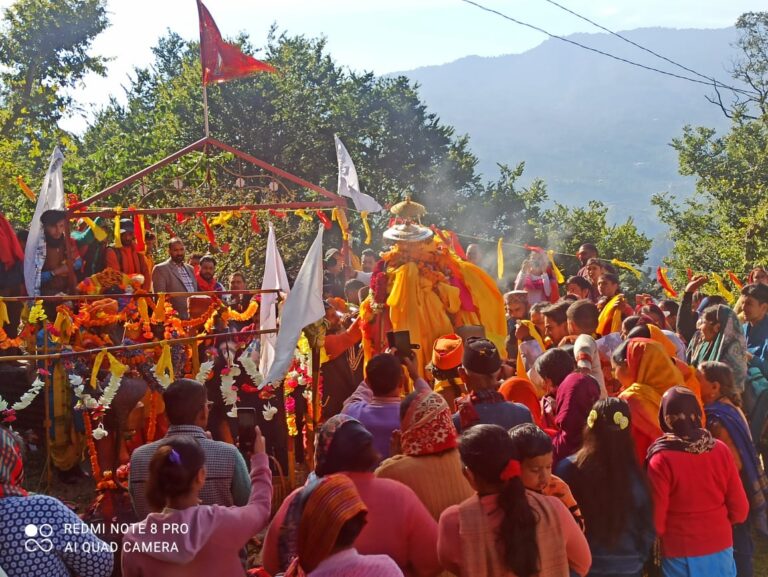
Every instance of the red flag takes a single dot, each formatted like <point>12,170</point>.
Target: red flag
<point>223,61</point>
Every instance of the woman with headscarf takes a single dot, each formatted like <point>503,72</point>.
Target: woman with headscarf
<point>522,390</point>
<point>645,372</point>
<point>721,338</point>
<point>727,423</point>
<point>428,462</point>
<point>332,518</point>
<point>33,540</point>
<point>397,525</point>
<point>697,492</point>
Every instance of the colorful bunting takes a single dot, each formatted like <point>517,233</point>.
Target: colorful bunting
<point>661,276</point>
<point>722,291</point>
<point>118,212</point>
<point>737,283</point>
<point>255,223</point>
<point>25,189</point>
<point>366,227</point>
<point>248,252</point>
<point>324,219</point>
<point>558,275</point>
<point>500,259</point>
<point>627,266</point>
<point>208,230</point>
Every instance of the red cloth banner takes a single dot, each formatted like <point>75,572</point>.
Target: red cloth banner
<point>222,61</point>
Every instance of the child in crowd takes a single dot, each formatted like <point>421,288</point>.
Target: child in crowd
<point>613,492</point>
<point>214,535</point>
<point>582,323</point>
<point>534,448</point>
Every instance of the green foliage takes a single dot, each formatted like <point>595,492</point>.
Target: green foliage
<point>43,53</point>
<point>724,227</point>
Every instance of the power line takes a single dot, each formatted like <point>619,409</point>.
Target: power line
<point>648,50</point>
<point>597,51</point>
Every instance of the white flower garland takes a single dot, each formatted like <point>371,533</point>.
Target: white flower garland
<point>163,378</point>
<point>228,389</point>
<point>26,399</point>
<point>252,369</point>
<point>104,401</point>
<point>269,411</point>
<point>204,372</point>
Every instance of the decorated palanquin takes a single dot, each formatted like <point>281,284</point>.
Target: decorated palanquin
<point>420,285</point>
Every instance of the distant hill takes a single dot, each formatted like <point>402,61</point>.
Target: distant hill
<point>590,126</point>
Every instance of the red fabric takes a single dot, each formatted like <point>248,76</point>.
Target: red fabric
<point>10,248</point>
<point>696,500</point>
<point>222,61</point>
<point>208,230</point>
<point>204,285</point>
<point>427,426</point>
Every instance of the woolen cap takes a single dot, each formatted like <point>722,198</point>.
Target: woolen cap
<point>481,356</point>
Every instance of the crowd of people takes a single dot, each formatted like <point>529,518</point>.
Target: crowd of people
<point>607,438</point>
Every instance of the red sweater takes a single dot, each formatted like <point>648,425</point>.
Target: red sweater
<point>696,500</point>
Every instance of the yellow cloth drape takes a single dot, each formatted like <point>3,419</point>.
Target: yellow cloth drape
<point>164,363</point>
<point>248,252</point>
<point>3,314</point>
<point>118,212</point>
<point>66,442</point>
<point>98,233</point>
<point>609,320</point>
<point>489,302</point>
<point>416,307</point>
<point>626,266</point>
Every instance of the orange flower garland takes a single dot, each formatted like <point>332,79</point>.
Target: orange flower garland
<point>95,469</point>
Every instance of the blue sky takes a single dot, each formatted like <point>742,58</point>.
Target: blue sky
<point>381,35</point>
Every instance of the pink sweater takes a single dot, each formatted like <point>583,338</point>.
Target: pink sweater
<point>349,563</point>
<point>449,540</point>
<point>398,525</point>
<point>199,541</point>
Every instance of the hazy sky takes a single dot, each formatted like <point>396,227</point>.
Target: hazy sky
<point>381,35</point>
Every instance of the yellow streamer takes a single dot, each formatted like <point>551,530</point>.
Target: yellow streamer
<point>366,226</point>
<point>63,326</point>
<point>338,215</point>
<point>627,266</point>
<point>96,366</point>
<point>558,275</point>
<point>25,189</point>
<point>724,292</point>
<point>500,259</point>
<point>301,213</point>
<point>142,233</point>
<point>164,363</point>
<point>99,233</point>
<point>158,315</point>
<point>118,212</point>
<point>248,252</point>
<point>143,310</point>
<point>4,320</point>
<point>223,218</point>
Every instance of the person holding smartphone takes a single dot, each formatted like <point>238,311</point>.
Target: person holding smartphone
<point>181,537</point>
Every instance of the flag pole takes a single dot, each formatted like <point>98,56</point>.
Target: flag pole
<point>205,109</point>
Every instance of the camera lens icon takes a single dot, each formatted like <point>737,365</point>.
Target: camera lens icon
<point>33,544</point>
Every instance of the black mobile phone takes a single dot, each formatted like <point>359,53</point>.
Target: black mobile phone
<point>400,341</point>
<point>246,424</point>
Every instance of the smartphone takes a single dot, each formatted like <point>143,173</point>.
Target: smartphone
<point>246,424</point>
<point>400,341</point>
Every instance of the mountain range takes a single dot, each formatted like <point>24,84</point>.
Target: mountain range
<point>591,126</point>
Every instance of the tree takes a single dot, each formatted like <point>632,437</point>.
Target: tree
<point>287,119</point>
<point>44,53</point>
<point>723,226</point>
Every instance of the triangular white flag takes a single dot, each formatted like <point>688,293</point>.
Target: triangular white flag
<point>51,197</point>
<point>349,185</point>
<point>303,307</point>
<point>274,278</point>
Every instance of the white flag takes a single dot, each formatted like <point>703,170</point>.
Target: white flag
<point>303,307</point>
<point>349,186</point>
<point>274,278</point>
<point>51,198</point>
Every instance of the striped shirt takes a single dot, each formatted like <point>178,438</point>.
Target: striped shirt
<point>227,481</point>
<point>189,282</point>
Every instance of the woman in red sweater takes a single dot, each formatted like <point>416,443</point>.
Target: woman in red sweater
<point>696,489</point>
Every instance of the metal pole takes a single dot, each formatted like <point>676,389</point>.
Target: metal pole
<point>205,109</point>
<point>47,424</point>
